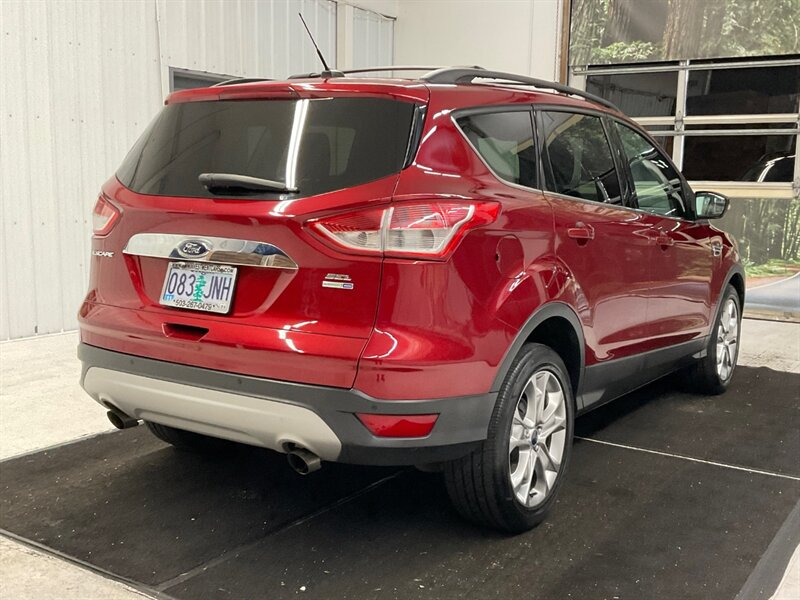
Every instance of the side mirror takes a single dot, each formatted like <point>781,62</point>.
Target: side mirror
<point>710,205</point>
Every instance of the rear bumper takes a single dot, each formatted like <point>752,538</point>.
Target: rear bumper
<point>272,414</point>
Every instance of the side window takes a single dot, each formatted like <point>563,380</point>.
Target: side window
<point>657,184</point>
<point>578,159</point>
<point>505,141</point>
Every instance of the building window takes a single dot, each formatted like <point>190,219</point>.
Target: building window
<point>724,120</point>
<point>184,79</point>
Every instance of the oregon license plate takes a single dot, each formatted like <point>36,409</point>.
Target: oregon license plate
<point>199,286</point>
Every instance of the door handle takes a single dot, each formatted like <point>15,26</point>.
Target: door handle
<point>581,232</point>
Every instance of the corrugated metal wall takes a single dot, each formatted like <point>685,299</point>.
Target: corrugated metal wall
<point>373,39</point>
<point>79,80</point>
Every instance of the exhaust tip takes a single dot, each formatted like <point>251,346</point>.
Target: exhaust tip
<point>120,420</point>
<point>304,461</point>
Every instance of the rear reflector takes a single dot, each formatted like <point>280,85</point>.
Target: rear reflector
<point>405,230</point>
<point>104,216</point>
<point>398,426</point>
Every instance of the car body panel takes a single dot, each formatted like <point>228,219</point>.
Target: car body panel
<point>413,330</point>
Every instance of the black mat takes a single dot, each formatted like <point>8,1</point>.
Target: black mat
<point>755,424</point>
<point>627,524</point>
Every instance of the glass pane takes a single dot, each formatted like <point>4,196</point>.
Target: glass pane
<point>743,91</point>
<point>578,159</point>
<point>658,186</point>
<point>665,142</point>
<point>768,234</point>
<point>341,143</point>
<point>638,94</point>
<point>739,158</point>
<point>505,141</point>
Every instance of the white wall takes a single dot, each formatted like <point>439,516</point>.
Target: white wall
<point>79,81</point>
<point>520,36</point>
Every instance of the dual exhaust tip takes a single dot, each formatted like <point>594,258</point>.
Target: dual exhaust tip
<point>301,460</point>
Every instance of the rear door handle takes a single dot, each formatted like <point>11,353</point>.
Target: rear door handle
<point>581,231</point>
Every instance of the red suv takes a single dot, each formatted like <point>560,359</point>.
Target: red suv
<point>440,272</point>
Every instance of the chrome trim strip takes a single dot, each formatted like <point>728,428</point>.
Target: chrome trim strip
<point>222,251</point>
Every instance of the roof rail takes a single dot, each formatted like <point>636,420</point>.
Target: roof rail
<point>323,75</point>
<point>465,75</point>
<point>368,70</point>
<point>240,80</point>
<point>397,68</point>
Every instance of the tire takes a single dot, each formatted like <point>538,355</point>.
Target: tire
<point>480,484</point>
<point>710,376</point>
<point>185,440</point>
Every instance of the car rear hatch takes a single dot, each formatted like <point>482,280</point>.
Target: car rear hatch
<point>210,262</point>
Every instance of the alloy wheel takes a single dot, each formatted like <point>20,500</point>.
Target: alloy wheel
<point>727,340</point>
<point>538,438</point>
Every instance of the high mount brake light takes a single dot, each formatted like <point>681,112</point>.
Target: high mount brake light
<point>409,230</point>
<point>104,216</point>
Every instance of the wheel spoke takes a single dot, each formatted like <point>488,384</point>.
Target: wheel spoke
<point>541,476</point>
<point>554,401</point>
<point>522,478</point>
<point>555,424</point>
<point>521,472</point>
<point>540,384</point>
<point>547,459</point>
<point>517,441</point>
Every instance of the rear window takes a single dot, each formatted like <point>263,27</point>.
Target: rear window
<point>315,146</point>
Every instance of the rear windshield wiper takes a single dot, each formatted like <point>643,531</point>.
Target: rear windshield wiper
<point>231,183</point>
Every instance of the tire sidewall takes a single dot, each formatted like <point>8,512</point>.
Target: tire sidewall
<point>533,357</point>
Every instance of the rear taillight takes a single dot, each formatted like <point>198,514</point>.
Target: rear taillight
<point>408,230</point>
<point>104,216</point>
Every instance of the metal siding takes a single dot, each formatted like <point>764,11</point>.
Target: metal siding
<point>81,80</point>
<point>373,39</point>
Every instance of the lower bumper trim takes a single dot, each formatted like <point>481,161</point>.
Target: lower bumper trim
<point>274,414</point>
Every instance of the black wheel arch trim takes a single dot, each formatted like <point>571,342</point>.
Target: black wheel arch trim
<point>539,316</point>
<point>736,269</point>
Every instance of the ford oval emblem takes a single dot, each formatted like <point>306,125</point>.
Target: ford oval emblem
<point>194,248</point>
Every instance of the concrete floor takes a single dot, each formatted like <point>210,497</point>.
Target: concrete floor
<point>41,405</point>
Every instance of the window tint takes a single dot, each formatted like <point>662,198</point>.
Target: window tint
<point>638,94</point>
<point>657,184</point>
<point>315,145</point>
<point>578,160</point>
<point>740,158</point>
<point>505,141</point>
<point>747,90</point>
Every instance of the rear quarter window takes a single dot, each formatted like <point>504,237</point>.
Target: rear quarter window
<point>505,142</point>
<point>316,145</point>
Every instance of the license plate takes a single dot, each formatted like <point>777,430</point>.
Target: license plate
<point>199,286</point>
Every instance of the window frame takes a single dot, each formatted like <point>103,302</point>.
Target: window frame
<point>495,109</point>
<point>686,190</point>
<point>615,154</point>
